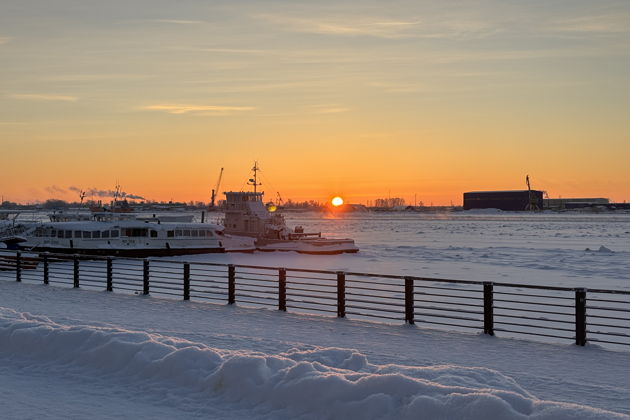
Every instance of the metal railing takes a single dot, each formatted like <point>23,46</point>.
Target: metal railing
<point>577,314</point>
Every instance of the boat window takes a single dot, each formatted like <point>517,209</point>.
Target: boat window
<point>170,233</point>
<point>53,233</point>
<point>105,234</point>
<point>186,232</point>
<point>194,233</point>
<point>77,234</point>
<point>153,233</point>
<point>96,234</point>
<point>114,234</point>
<point>136,232</point>
<point>60,233</point>
<point>68,234</point>
<point>87,234</point>
<point>209,233</point>
<point>178,232</point>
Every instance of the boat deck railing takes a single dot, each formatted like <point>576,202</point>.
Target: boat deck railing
<point>547,313</point>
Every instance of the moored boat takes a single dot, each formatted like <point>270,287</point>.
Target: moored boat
<point>247,216</point>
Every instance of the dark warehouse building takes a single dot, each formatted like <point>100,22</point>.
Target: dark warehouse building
<point>502,200</point>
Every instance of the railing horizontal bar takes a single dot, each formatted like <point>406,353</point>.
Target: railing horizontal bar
<point>435,308</point>
<point>609,333</point>
<point>533,303</point>
<point>607,291</point>
<point>375,316</point>
<point>255,279</point>
<point>166,288</point>
<point>238,273</point>
<point>208,292</point>
<point>127,284</point>
<point>157,276</point>
<point>373,302</point>
<point>330,292</point>
<point>424,321</point>
<point>311,278</point>
<point>529,310</point>
<point>623,327</point>
<point>454,289</point>
<point>606,317</point>
<point>262,292</point>
<point>238,301</point>
<point>160,292</point>
<point>312,302</point>
<point>327,311</point>
<point>462,318</point>
<point>603,308</point>
<point>261,286</point>
<point>202,271</point>
<point>368,308</point>
<point>394,298</point>
<point>533,295</point>
<point>533,318</point>
<point>448,296</point>
<point>310,296</point>
<point>175,273</point>
<point>117,277</point>
<point>350,287</point>
<point>540,327</point>
<point>213,299</point>
<point>375,283</point>
<point>532,333</point>
<point>590,299</point>
<point>197,278</point>
<point>238,297</point>
<point>473,305</point>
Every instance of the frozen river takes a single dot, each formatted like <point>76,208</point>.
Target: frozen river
<point>561,249</point>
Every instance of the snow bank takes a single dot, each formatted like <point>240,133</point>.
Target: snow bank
<point>322,383</point>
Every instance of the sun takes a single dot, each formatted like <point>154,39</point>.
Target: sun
<point>337,201</point>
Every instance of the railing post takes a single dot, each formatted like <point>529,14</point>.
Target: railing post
<point>580,316</point>
<point>76,271</point>
<point>46,272</point>
<point>409,301</point>
<point>488,308</point>
<point>231,284</point>
<point>145,276</point>
<point>110,274</point>
<point>18,266</point>
<point>186,281</point>
<point>341,294</point>
<point>282,289</point>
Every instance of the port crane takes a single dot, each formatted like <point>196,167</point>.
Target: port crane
<point>215,191</point>
<point>532,205</point>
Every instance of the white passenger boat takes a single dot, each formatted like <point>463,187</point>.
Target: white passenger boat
<point>131,238</point>
<point>247,216</point>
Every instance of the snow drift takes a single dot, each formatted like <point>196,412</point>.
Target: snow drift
<point>318,383</point>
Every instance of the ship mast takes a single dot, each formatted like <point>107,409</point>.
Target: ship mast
<point>254,181</point>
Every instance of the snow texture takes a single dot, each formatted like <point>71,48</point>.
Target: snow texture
<point>324,383</point>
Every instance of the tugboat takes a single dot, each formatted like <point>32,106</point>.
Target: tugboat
<point>247,215</point>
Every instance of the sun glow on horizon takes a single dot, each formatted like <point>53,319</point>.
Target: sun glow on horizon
<point>337,201</point>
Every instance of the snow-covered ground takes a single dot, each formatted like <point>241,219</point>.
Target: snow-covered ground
<point>68,353</point>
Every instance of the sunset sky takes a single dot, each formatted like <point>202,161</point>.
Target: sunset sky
<point>362,99</point>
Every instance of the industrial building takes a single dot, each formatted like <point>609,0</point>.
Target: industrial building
<point>574,203</point>
<point>519,200</point>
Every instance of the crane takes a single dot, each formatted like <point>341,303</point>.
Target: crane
<point>532,204</point>
<point>215,191</point>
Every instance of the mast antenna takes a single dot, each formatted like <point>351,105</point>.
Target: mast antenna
<point>254,181</point>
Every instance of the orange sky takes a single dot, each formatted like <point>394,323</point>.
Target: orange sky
<point>415,99</point>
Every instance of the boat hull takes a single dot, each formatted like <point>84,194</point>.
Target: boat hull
<point>306,246</point>
<point>135,252</point>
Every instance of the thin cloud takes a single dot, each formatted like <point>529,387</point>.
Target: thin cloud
<point>44,97</point>
<point>178,21</point>
<point>4,40</point>
<point>330,109</point>
<point>204,110</point>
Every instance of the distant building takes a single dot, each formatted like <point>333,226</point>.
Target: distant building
<point>573,203</point>
<point>502,200</point>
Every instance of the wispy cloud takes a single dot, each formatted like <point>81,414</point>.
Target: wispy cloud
<point>43,97</point>
<point>4,40</point>
<point>178,21</point>
<point>330,109</point>
<point>206,110</point>
<point>600,24</point>
<point>379,27</point>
